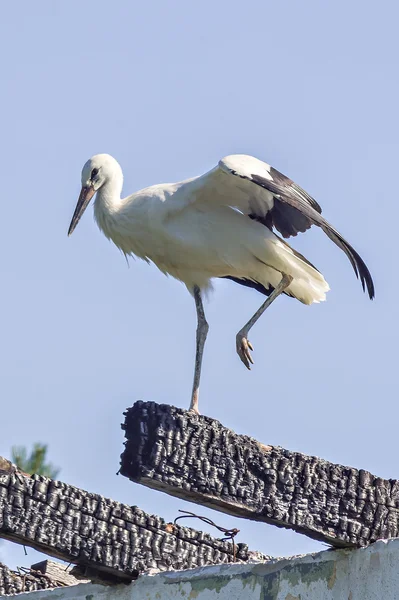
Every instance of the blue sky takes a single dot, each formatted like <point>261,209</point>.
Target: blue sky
<point>168,88</point>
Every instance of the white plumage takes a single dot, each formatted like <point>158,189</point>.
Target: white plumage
<point>217,225</point>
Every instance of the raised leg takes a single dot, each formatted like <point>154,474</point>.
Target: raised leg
<point>202,332</point>
<point>242,343</point>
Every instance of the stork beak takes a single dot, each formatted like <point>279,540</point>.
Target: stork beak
<point>86,194</point>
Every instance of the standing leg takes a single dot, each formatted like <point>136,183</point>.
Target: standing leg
<point>202,332</point>
<point>243,345</point>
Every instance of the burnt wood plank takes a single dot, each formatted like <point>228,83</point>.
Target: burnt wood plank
<point>26,580</point>
<point>104,536</point>
<point>198,459</point>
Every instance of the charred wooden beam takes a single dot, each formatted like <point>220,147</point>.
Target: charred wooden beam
<point>28,580</point>
<point>198,459</point>
<point>59,573</point>
<point>106,537</point>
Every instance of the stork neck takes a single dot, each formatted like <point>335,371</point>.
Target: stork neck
<point>109,195</point>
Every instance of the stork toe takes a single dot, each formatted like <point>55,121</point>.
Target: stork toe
<point>244,346</point>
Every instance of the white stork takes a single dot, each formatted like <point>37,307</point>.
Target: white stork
<point>219,224</point>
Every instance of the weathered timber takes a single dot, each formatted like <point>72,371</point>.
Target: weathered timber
<point>106,537</point>
<point>198,459</point>
<point>25,580</point>
<point>61,574</point>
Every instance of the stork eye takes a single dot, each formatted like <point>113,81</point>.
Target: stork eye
<point>94,173</point>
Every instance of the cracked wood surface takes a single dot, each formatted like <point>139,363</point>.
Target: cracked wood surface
<point>106,537</point>
<point>198,459</point>
<point>26,580</point>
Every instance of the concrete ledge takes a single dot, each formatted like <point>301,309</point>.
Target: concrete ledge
<point>198,459</point>
<point>363,574</point>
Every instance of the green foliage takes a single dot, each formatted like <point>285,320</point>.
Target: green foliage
<point>35,462</point>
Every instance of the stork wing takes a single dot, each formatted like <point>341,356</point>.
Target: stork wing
<point>269,197</point>
<point>285,213</point>
<point>292,209</point>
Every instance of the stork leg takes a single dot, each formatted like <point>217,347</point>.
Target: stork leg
<point>243,345</point>
<point>202,332</point>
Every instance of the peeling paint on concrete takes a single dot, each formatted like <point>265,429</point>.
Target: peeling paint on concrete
<point>306,573</point>
<point>365,574</point>
<point>333,578</point>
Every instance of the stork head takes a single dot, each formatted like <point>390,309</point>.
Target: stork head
<point>97,171</point>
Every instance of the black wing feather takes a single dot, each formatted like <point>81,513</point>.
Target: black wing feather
<point>287,218</point>
<point>295,211</point>
<point>255,285</point>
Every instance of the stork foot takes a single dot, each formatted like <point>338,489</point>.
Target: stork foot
<point>244,346</point>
